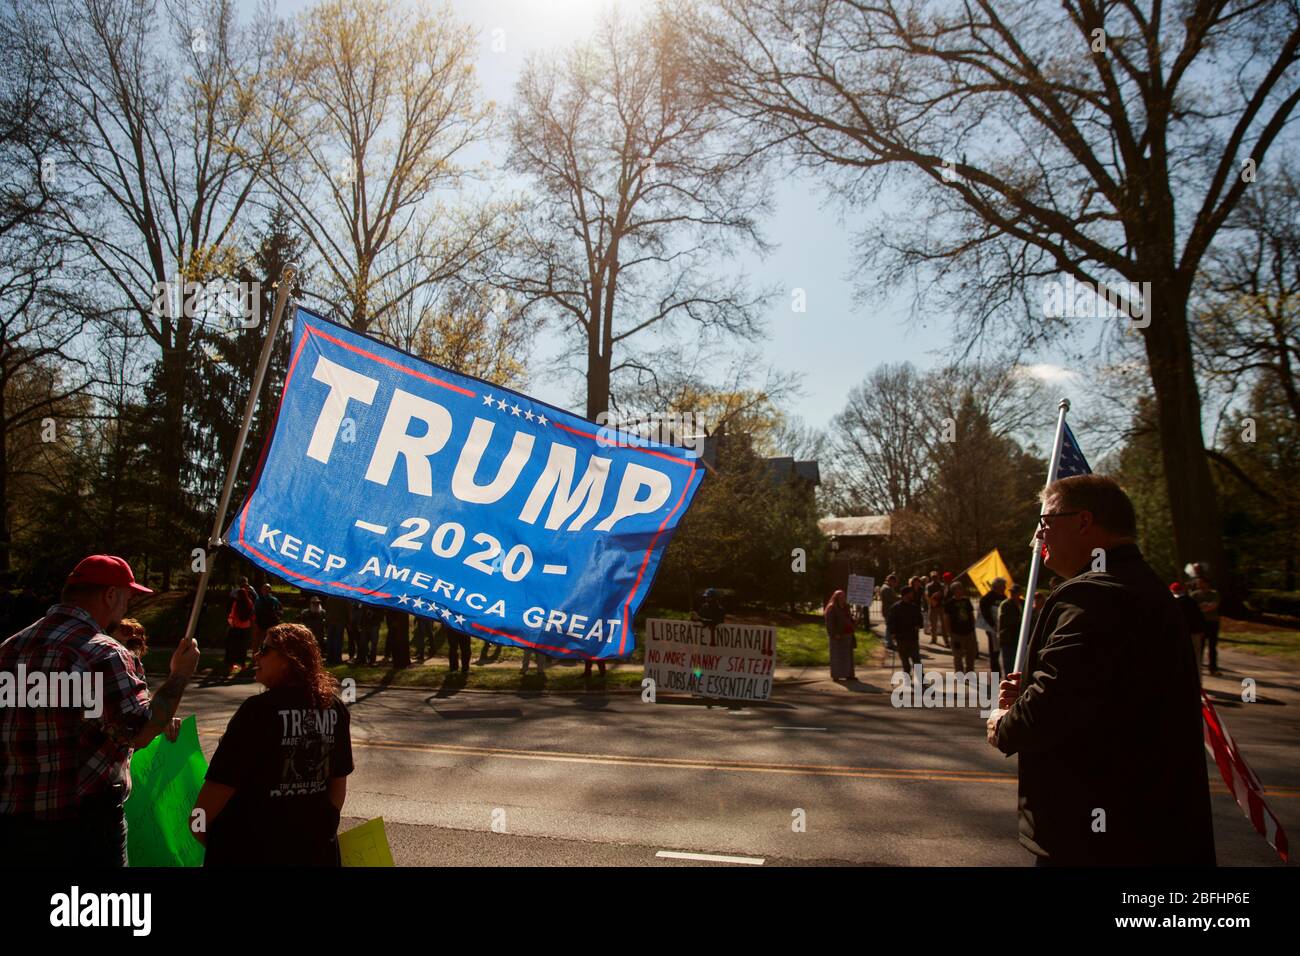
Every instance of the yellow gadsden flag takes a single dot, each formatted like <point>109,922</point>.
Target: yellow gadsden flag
<point>983,571</point>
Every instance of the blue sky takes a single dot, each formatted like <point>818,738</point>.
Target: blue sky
<point>829,345</point>
<point>832,345</point>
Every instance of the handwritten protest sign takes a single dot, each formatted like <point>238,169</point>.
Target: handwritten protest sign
<point>399,483</point>
<point>861,590</point>
<point>730,661</point>
<point>165,780</point>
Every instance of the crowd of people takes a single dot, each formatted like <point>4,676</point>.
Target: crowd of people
<point>1106,714</point>
<point>940,607</point>
<point>1108,698</point>
<point>336,620</point>
<point>1105,718</point>
<point>276,784</point>
<point>337,623</point>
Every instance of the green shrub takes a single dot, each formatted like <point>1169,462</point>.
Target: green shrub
<point>1275,602</point>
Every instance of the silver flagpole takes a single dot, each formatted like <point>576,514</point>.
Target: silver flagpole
<point>1026,619</point>
<point>282,292</point>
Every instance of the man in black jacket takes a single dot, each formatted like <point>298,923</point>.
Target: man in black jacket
<point>904,623</point>
<point>989,605</point>
<point>1195,620</point>
<point>1107,718</point>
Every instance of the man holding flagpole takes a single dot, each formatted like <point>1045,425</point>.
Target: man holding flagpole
<point>1106,719</point>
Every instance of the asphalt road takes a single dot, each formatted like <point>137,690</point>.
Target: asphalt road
<point>820,775</point>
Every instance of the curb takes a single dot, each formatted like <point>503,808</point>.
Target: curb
<point>790,683</point>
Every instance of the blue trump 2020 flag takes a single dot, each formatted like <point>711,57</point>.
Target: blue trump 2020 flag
<point>389,480</point>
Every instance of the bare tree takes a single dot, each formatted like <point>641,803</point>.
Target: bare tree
<point>43,309</point>
<point>1248,322</point>
<point>385,105</point>
<point>1104,142</point>
<point>1248,341</point>
<point>639,196</point>
<point>899,425</point>
<point>466,327</point>
<point>706,391</point>
<point>175,110</point>
<point>880,440</point>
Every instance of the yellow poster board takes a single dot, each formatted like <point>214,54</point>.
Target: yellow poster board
<point>366,845</point>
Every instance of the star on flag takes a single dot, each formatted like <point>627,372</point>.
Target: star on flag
<point>515,410</point>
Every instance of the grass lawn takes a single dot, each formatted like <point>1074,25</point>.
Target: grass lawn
<point>558,677</point>
<point>1260,638</point>
<point>806,645</point>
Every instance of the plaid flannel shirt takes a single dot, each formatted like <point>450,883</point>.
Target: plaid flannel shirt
<point>53,758</point>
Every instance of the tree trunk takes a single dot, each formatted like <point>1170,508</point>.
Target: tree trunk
<point>4,485</point>
<point>598,359</point>
<point>597,384</point>
<point>1193,504</point>
<point>172,457</point>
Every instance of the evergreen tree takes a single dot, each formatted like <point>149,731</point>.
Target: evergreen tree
<point>225,359</point>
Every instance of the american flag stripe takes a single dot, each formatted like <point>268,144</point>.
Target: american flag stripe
<point>1241,780</point>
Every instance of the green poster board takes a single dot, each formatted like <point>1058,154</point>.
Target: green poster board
<point>165,781</point>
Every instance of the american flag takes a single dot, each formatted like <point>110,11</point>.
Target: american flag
<point>1241,780</point>
<point>1072,461</point>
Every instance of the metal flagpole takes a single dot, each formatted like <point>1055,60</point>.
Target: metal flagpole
<point>282,292</point>
<point>1026,619</point>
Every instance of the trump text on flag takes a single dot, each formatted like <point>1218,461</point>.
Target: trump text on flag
<point>399,483</point>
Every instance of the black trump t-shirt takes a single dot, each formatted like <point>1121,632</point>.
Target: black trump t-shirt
<point>278,753</point>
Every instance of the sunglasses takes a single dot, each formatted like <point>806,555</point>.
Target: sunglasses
<point>264,649</point>
<point>1042,519</point>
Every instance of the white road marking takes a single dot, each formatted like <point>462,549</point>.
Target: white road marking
<point>555,569</point>
<point>376,528</point>
<point>711,858</point>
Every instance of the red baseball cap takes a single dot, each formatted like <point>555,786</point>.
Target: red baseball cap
<point>1176,588</point>
<point>947,575</point>
<point>106,569</point>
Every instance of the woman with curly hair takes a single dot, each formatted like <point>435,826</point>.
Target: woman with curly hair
<point>130,634</point>
<point>277,782</point>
